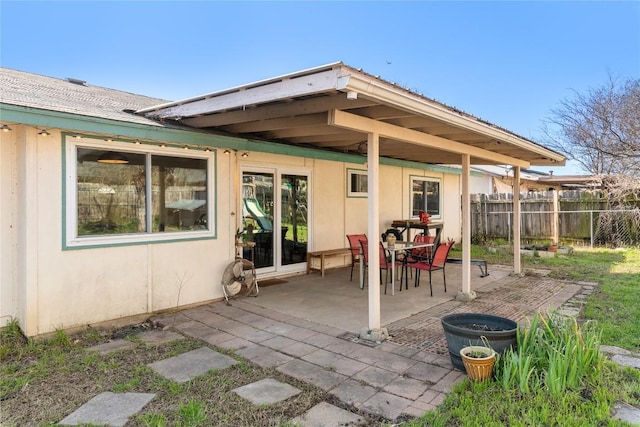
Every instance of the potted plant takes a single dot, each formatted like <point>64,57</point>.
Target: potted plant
<point>465,329</point>
<point>478,361</point>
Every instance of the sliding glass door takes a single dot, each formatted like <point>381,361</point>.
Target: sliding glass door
<point>275,216</point>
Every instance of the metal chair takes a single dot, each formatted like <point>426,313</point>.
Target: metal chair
<point>438,262</point>
<point>354,245</point>
<point>384,260</point>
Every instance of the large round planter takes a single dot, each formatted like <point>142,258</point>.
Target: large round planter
<point>465,329</point>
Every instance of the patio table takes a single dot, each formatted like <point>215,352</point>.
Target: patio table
<point>409,224</point>
<point>398,246</point>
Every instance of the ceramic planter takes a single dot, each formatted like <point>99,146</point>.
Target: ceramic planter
<point>478,361</point>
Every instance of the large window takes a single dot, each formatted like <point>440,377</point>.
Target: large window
<point>125,193</point>
<point>425,196</point>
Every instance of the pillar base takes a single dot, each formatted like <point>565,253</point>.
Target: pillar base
<point>466,296</point>
<point>376,335</point>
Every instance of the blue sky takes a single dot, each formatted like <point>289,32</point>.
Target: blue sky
<point>509,63</point>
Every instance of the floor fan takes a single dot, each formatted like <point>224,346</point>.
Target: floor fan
<point>239,279</point>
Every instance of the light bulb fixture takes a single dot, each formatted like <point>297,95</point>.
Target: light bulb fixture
<point>207,149</point>
<point>77,136</point>
<point>44,132</point>
<point>113,158</point>
<point>245,154</point>
<point>186,147</point>
<point>227,151</point>
<point>163,145</point>
<point>5,128</point>
<point>109,140</point>
<point>137,142</point>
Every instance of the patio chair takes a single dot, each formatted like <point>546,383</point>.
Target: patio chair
<point>354,245</point>
<point>438,262</point>
<point>416,255</point>
<point>385,263</point>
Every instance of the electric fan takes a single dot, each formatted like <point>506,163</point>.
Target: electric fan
<point>239,279</point>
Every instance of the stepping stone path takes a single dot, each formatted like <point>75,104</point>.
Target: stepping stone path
<point>111,346</point>
<point>189,365</point>
<point>108,409</point>
<point>266,391</point>
<point>623,411</point>
<point>324,414</point>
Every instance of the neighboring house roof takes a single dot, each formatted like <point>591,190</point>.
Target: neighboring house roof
<point>336,106</point>
<point>572,181</point>
<point>539,179</point>
<point>72,96</point>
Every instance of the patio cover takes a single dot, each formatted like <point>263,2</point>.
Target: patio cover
<point>341,108</point>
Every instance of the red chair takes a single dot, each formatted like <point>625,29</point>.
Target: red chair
<point>416,255</point>
<point>354,245</point>
<point>385,262</point>
<point>438,262</point>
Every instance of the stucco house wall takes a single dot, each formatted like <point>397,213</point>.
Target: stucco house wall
<point>48,284</point>
<point>49,287</point>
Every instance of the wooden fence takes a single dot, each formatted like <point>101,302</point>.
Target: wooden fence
<point>582,216</point>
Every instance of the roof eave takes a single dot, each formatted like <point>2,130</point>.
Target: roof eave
<point>374,88</point>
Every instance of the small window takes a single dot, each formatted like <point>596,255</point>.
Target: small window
<point>124,194</point>
<point>425,196</point>
<point>356,183</point>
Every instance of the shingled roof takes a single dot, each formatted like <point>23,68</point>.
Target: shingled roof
<point>73,96</point>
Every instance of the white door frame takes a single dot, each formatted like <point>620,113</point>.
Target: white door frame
<point>278,171</point>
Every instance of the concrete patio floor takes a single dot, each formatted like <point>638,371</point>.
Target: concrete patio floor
<point>308,327</point>
<point>336,301</point>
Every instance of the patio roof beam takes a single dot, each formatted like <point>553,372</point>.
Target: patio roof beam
<point>286,88</point>
<point>365,125</point>
<point>307,106</point>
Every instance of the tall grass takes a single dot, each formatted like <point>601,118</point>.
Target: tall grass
<point>554,352</point>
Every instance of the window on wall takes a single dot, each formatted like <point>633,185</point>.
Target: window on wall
<point>425,196</point>
<point>122,193</point>
<point>356,183</point>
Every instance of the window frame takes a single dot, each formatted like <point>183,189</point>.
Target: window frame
<point>350,192</point>
<point>413,178</point>
<point>71,239</point>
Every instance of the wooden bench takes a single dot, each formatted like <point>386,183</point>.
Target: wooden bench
<point>479,262</point>
<point>323,255</point>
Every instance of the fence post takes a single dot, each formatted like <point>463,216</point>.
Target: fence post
<point>591,225</point>
<point>555,226</point>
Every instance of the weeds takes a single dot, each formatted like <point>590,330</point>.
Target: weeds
<point>553,352</point>
<point>192,414</point>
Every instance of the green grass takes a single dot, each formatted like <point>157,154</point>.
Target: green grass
<point>614,303</point>
<point>486,404</point>
<point>565,384</point>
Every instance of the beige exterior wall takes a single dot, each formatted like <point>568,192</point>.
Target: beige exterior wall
<point>47,287</point>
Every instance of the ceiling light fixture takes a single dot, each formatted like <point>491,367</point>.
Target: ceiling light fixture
<point>44,132</point>
<point>245,154</point>
<point>163,145</point>
<point>114,158</point>
<point>227,151</point>
<point>5,128</point>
